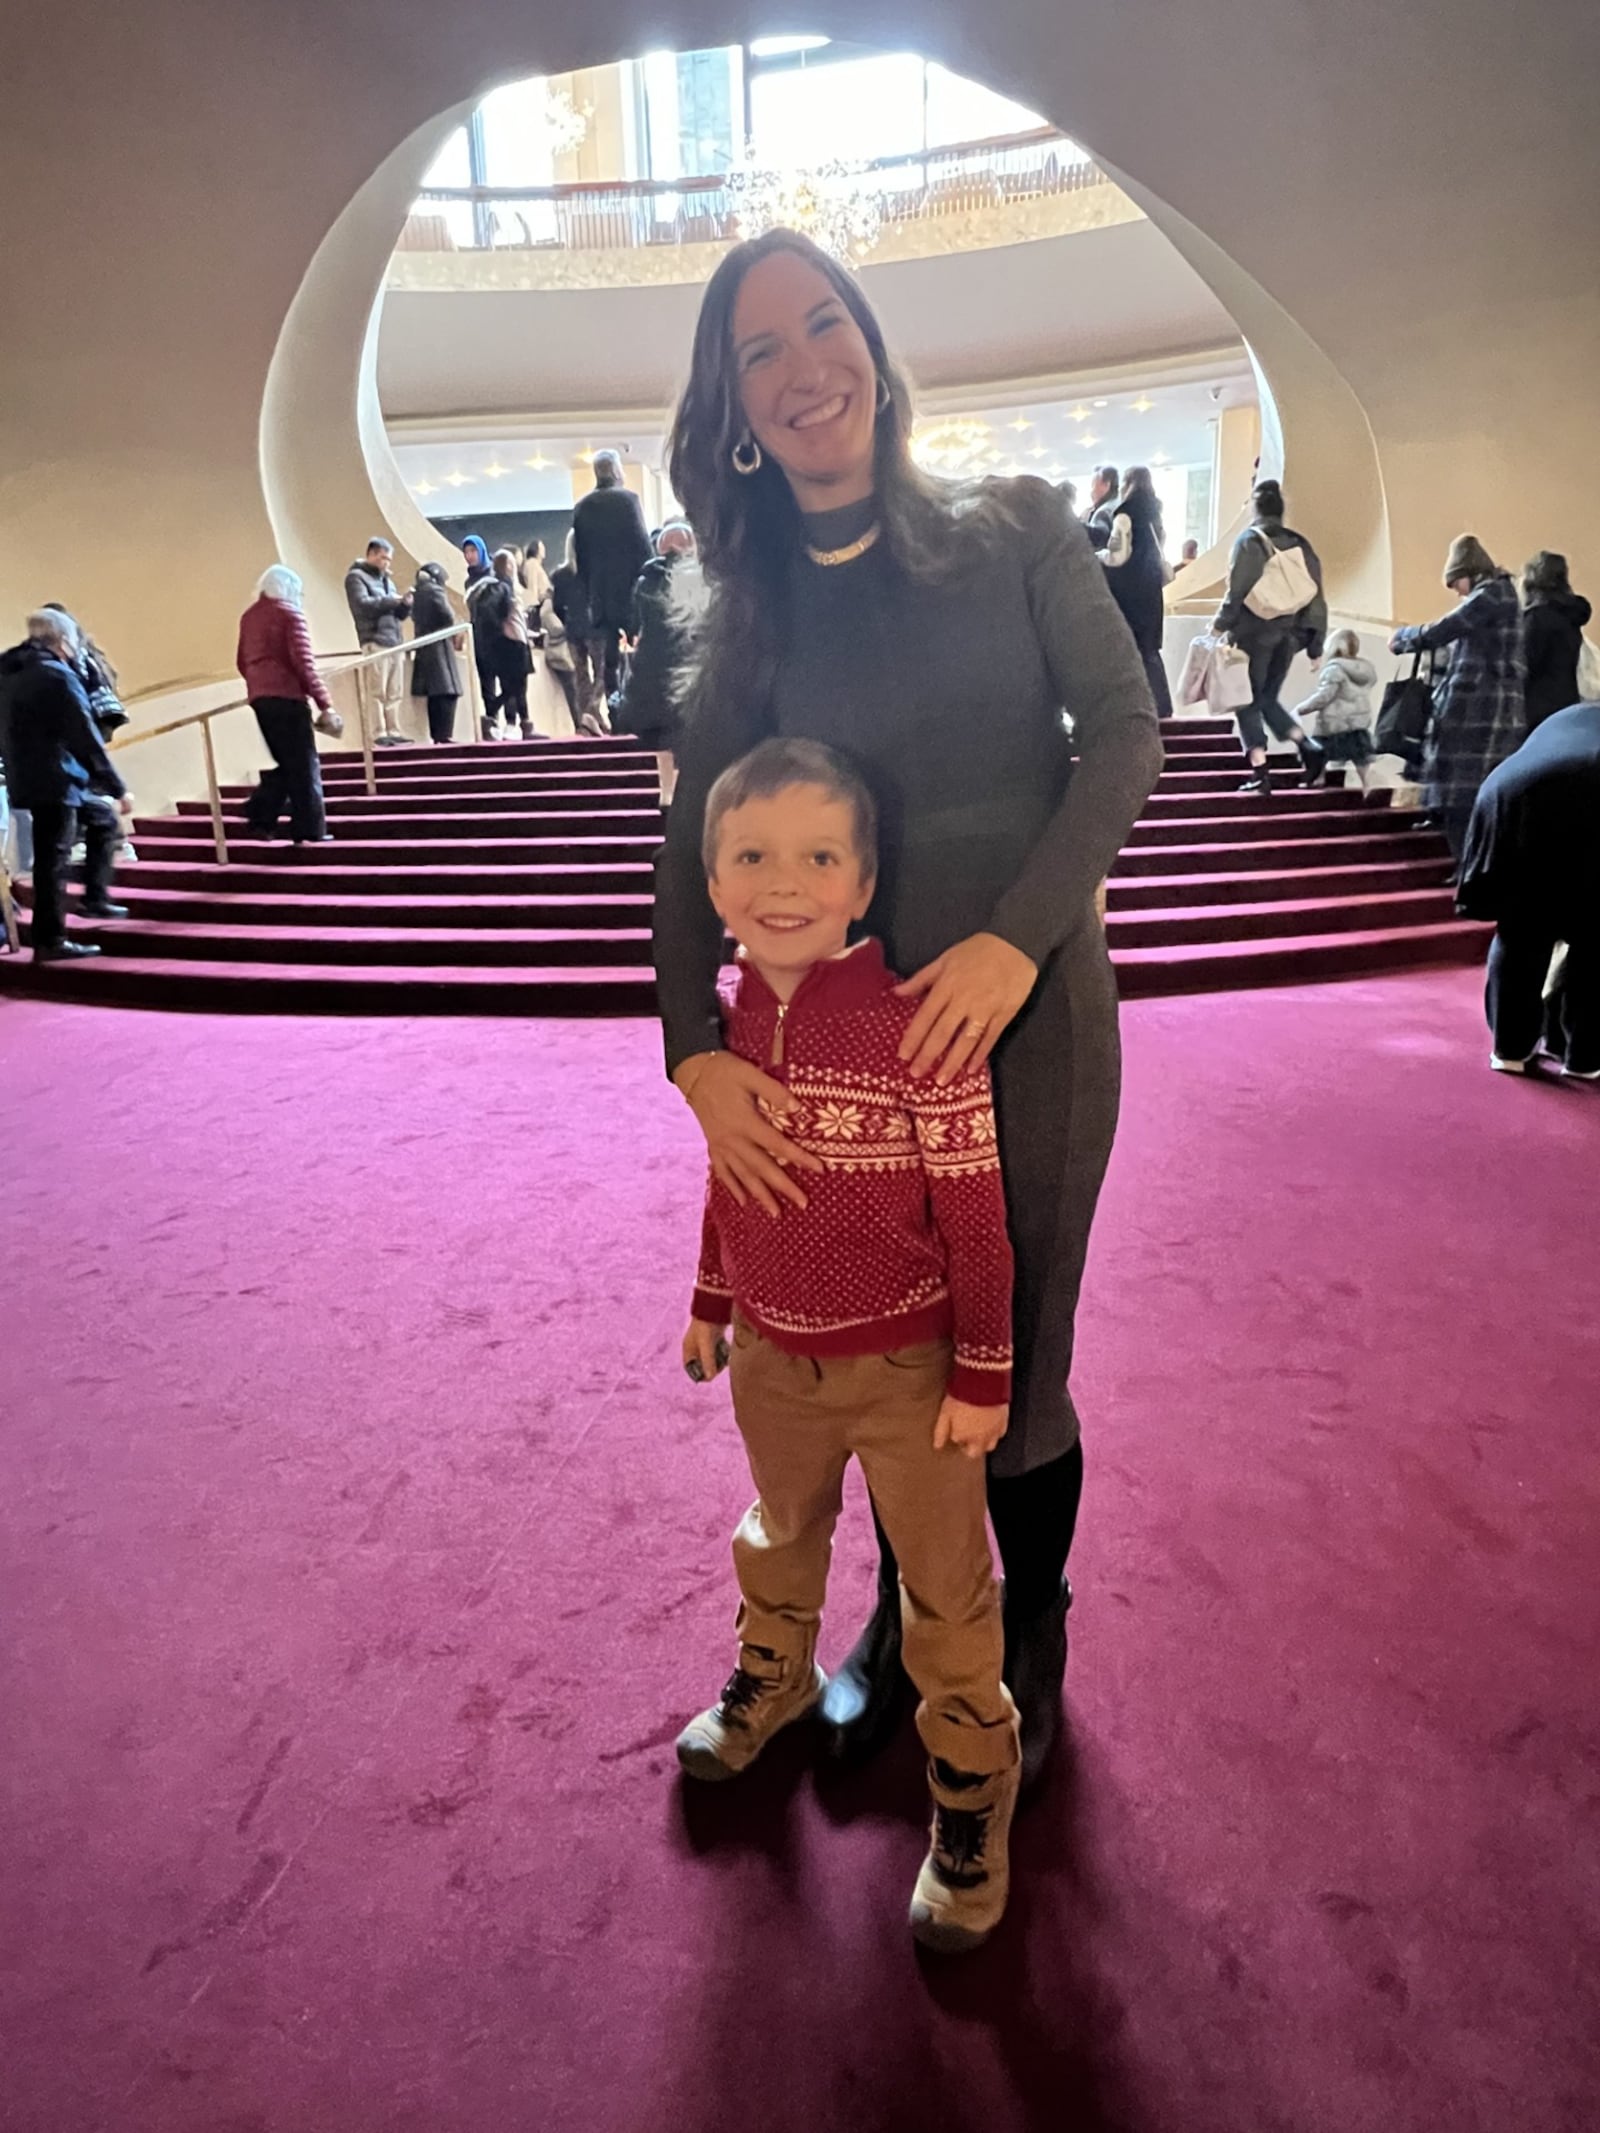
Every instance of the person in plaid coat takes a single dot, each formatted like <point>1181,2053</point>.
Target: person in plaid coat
<point>1478,716</point>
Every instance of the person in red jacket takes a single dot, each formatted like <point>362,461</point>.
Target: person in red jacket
<point>874,1320</point>
<point>280,676</point>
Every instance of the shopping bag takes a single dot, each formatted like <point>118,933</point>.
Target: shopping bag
<point>1406,711</point>
<point>1228,678</point>
<point>1191,687</point>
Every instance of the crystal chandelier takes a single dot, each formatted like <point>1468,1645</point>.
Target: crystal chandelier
<point>836,205</point>
<point>564,124</point>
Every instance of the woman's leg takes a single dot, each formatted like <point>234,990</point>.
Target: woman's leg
<point>667,773</point>
<point>1155,668</point>
<point>266,804</point>
<point>441,719</point>
<point>569,689</point>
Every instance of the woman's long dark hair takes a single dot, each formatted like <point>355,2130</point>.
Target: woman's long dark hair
<point>1545,577</point>
<point>1140,482</point>
<point>748,526</point>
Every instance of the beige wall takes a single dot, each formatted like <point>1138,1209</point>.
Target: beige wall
<point>1354,183</point>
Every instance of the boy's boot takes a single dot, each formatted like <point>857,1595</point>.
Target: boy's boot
<point>868,1695</point>
<point>763,1695</point>
<point>960,1896</point>
<point>1035,1672</point>
<point>1313,759</point>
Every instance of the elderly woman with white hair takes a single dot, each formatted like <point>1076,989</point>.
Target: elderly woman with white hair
<point>281,678</point>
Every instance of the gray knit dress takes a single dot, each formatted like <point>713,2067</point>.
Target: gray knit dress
<point>950,697</point>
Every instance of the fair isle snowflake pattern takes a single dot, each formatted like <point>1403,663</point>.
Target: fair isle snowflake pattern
<point>838,1122</point>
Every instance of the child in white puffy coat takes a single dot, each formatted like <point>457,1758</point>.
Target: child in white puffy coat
<point>1339,709</point>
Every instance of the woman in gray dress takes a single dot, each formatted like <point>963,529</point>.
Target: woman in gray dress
<point>936,635</point>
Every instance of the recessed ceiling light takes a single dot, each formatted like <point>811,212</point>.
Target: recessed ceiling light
<point>1086,439</point>
<point>538,462</point>
<point>494,470</point>
<point>1021,423</point>
<point>456,481</point>
<point>1102,403</point>
<point>1014,468</point>
<point>1158,459</point>
<point>1080,413</point>
<point>1143,405</point>
<point>1038,451</point>
<point>425,488</point>
<point>587,455</point>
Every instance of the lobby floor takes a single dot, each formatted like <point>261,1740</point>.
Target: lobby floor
<point>362,1549</point>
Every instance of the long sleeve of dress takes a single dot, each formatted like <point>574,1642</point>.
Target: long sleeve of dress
<point>960,1155</point>
<point>1097,671</point>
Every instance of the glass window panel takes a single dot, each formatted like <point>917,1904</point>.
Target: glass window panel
<point>847,109</point>
<point>962,110</point>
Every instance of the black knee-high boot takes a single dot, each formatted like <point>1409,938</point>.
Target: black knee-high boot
<point>1035,1516</point>
<point>866,1699</point>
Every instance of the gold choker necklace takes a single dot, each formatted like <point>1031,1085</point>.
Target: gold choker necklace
<point>828,557</point>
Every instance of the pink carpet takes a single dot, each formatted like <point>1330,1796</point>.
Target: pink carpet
<point>361,1549</point>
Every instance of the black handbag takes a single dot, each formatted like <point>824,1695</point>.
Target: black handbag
<point>1406,711</point>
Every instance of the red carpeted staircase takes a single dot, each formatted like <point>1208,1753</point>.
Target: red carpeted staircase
<point>515,879</point>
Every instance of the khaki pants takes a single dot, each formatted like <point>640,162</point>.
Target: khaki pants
<point>382,685</point>
<point>801,1420</point>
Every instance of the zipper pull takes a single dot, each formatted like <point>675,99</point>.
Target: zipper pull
<point>777,1034</point>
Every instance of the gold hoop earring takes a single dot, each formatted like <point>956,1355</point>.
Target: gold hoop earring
<point>746,455</point>
<point>884,394</point>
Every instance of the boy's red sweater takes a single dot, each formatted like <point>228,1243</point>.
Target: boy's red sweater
<point>903,1237</point>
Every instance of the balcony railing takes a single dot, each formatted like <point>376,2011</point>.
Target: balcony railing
<point>626,214</point>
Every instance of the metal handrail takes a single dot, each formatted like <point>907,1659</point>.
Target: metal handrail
<point>348,665</point>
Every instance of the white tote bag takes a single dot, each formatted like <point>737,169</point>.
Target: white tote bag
<point>1284,586</point>
<point>1227,677</point>
<point>1589,671</point>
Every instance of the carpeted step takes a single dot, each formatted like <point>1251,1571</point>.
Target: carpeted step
<point>305,906</point>
<point>1267,825</point>
<point>522,825</point>
<point>1281,853</point>
<point>1284,919</point>
<point>1226,799</point>
<point>1270,885</point>
<point>469,948</point>
<point>450,848</point>
<point>274,868</point>
<point>1303,960</point>
<point>361,807</point>
<point>343,989</point>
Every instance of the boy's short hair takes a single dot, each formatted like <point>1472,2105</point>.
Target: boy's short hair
<point>1343,644</point>
<point>772,768</point>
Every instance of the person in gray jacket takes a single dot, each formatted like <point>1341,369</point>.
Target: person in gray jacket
<point>1338,713</point>
<point>378,608</point>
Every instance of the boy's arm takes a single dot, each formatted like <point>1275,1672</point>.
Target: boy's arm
<point>1322,695</point>
<point>713,1299</point>
<point>961,1159</point>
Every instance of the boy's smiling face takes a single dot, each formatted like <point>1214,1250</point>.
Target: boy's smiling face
<point>789,882</point>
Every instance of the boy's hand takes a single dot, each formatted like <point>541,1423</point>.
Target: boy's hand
<point>705,1347</point>
<point>973,1430</point>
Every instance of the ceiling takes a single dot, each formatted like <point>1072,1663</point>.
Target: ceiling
<point>1093,297</point>
<point>1050,432</point>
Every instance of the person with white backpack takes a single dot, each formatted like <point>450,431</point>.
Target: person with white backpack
<point>1274,608</point>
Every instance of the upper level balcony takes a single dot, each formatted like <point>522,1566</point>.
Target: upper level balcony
<point>1006,189</point>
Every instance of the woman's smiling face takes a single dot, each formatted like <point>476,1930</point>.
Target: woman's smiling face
<point>807,383</point>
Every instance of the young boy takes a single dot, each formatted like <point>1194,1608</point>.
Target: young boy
<point>875,1320</point>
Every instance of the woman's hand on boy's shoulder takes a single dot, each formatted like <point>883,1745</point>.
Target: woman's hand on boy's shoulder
<point>973,1430</point>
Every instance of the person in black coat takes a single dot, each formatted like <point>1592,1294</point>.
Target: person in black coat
<point>1552,637</point>
<point>1271,641</point>
<point>500,643</point>
<point>435,671</point>
<point>647,706</point>
<point>1136,571</point>
<point>571,604</point>
<point>55,762</point>
<point>610,546</point>
<point>1104,487</point>
<point>1532,864</point>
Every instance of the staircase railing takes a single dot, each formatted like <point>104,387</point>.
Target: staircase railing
<point>627,214</point>
<point>346,664</point>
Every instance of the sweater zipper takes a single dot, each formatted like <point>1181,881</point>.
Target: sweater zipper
<point>777,1034</point>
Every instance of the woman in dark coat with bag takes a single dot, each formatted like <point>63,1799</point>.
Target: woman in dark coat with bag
<point>500,642</point>
<point>435,671</point>
<point>1270,641</point>
<point>854,600</point>
<point>1477,698</point>
<point>1136,571</point>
